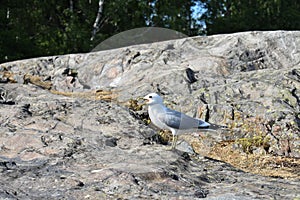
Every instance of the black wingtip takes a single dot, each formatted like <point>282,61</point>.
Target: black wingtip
<point>215,126</point>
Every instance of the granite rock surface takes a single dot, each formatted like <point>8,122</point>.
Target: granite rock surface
<point>67,130</point>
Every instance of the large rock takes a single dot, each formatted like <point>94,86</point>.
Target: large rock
<point>66,131</point>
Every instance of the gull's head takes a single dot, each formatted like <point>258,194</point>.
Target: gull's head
<point>153,98</point>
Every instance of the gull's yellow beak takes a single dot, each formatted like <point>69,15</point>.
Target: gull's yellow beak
<point>146,100</point>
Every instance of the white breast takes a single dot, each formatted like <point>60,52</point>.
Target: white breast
<point>153,111</point>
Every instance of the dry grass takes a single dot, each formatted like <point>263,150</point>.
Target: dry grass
<point>7,75</point>
<point>266,165</point>
<point>240,152</point>
<point>262,164</point>
<point>92,95</point>
<point>47,85</point>
<point>36,80</point>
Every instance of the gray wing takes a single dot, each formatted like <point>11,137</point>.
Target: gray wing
<point>178,120</point>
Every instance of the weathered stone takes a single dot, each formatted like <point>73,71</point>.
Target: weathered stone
<point>67,130</point>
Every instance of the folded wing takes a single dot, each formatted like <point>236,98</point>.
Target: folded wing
<point>178,120</point>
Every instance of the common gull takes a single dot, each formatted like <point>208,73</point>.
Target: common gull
<point>168,119</point>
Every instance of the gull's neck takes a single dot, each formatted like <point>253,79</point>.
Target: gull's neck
<point>156,106</point>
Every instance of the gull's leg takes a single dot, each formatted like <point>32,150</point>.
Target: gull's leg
<point>174,142</point>
<point>174,139</point>
<point>171,148</point>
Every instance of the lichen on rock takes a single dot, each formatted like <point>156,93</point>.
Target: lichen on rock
<point>73,126</point>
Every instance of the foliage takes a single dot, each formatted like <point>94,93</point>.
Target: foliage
<point>227,16</point>
<point>34,28</point>
<point>176,15</point>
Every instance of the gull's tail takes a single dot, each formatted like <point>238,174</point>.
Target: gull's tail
<point>216,126</point>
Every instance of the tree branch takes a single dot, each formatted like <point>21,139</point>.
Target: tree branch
<point>96,23</point>
<point>71,5</point>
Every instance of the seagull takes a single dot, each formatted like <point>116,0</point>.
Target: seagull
<point>168,119</point>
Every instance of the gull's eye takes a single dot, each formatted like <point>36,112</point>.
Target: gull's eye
<point>150,97</point>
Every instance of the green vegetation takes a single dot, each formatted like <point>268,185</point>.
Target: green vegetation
<point>227,16</point>
<point>35,28</point>
<point>248,144</point>
<point>252,128</point>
